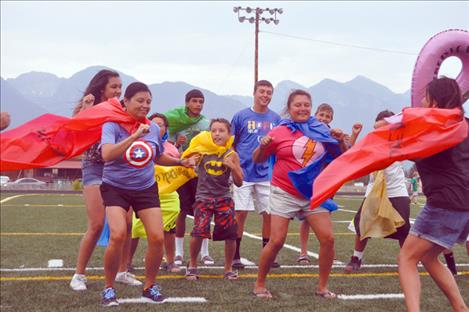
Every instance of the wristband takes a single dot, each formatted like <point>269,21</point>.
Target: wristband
<point>180,162</point>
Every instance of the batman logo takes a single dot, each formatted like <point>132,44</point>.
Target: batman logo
<point>214,167</point>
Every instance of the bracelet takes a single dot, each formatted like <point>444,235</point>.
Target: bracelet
<point>180,162</point>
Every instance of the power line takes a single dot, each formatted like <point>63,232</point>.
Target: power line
<point>339,44</point>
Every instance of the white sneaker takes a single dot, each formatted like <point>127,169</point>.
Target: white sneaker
<point>78,282</point>
<point>207,260</point>
<point>128,279</point>
<point>178,260</point>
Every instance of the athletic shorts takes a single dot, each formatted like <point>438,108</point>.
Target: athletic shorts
<point>92,173</point>
<point>402,205</point>
<point>285,205</point>
<point>252,196</point>
<point>441,226</point>
<point>187,196</point>
<point>169,204</point>
<point>225,220</point>
<point>139,200</point>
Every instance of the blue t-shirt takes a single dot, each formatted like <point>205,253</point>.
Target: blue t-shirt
<point>134,170</point>
<point>249,127</point>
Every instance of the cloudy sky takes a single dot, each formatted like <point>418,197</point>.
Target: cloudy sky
<point>202,43</point>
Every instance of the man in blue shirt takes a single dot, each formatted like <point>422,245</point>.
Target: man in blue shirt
<point>249,126</point>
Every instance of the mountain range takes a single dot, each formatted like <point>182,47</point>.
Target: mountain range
<point>360,99</point>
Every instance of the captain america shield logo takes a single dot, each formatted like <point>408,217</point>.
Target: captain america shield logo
<point>139,154</point>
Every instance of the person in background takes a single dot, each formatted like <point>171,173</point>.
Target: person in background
<point>185,123</point>
<point>249,126</point>
<point>4,120</point>
<point>169,206</point>
<point>398,196</point>
<point>106,84</point>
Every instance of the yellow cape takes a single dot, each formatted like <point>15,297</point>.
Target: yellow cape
<point>204,145</point>
<point>378,216</point>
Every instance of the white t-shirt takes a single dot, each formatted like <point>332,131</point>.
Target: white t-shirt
<point>395,181</point>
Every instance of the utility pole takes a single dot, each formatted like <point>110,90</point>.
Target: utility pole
<point>255,20</point>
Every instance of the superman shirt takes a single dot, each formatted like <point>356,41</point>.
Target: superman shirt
<point>134,170</point>
<point>213,179</point>
<point>293,151</point>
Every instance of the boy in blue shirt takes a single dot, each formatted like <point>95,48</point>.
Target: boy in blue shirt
<point>249,126</point>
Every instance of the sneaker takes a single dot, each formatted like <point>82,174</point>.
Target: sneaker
<point>179,260</point>
<point>237,264</point>
<point>78,282</point>
<point>353,265</point>
<point>192,274</point>
<point>207,260</point>
<point>275,265</point>
<point>171,267</point>
<point>153,295</point>
<point>128,279</point>
<point>109,297</point>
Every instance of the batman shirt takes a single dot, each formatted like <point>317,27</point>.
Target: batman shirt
<point>213,178</point>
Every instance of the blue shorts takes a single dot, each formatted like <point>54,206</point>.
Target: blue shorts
<point>442,226</point>
<point>92,172</point>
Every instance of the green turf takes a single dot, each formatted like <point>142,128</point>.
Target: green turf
<point>43,215</point>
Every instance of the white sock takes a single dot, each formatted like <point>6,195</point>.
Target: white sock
<point>204,248</point>
<point>180,246</point>
<point>358,254</point>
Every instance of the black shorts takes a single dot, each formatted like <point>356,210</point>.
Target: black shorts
<point>139,200</point>
<point>402,205</point>
<point>187,196</point>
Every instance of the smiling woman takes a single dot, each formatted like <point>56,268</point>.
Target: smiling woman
<point>132,154</point>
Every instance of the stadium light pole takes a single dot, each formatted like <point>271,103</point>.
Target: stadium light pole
<point>255,19</point>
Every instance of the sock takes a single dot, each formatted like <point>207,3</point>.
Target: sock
<point>450,263</point>
<point>264,241</point>
<point>238,244</point>
<point>358,254</point>
<point>204,248</point>
<point>180,246</point>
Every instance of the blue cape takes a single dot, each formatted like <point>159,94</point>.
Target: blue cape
<point>303,178</point>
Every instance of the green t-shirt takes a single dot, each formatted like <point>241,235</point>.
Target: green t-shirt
<point>414,183</point>
<point>190,132</point>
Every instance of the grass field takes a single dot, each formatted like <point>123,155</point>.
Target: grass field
<point>37,228</point>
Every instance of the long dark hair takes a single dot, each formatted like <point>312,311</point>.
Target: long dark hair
<point>445,92</point>
<point>96,87</point>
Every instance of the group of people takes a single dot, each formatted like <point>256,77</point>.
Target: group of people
<point>250,164</point>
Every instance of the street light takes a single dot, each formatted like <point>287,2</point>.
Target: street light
<point>255,19</point>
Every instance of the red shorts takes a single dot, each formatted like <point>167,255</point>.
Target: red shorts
<point>225,220</point>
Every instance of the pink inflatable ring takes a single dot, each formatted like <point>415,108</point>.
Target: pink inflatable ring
<point>453,42</point>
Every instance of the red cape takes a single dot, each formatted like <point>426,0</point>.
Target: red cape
<point>421,133</point>
<point>50,139</point>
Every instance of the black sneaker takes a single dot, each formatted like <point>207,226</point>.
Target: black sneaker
<point>109,297</point>
<point>275,265</point>
<point>153,294</point>
<point>353,265</point>
<point>237,264</point>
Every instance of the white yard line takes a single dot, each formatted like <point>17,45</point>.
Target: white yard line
<point>167,300</point>
<point>214,267</point>
<point>16,196</point>
<point>371,296</point>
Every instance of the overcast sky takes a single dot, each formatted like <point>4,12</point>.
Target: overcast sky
<point>202,43</point>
